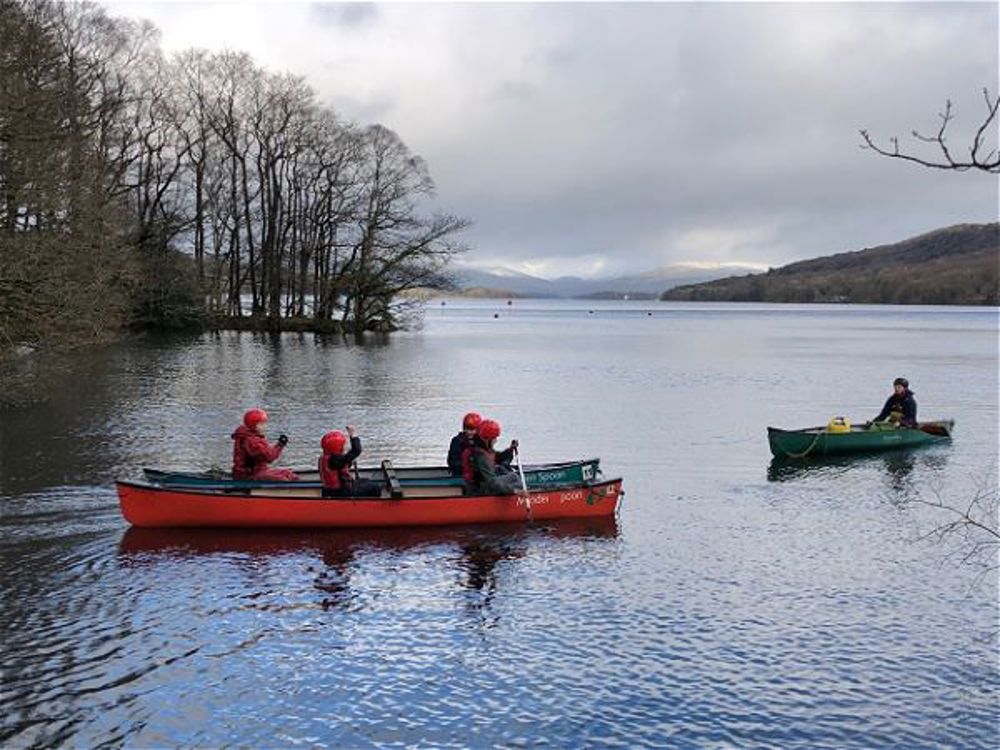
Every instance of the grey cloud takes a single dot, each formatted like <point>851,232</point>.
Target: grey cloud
<point>343,14</point>
<point>515,90</point>
<point>688,120</point>
<point>364,111</point>
<point>654,133</point>
<point>560,56</point>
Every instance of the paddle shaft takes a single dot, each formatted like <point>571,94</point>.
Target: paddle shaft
<point>524,487</point>
<point>520,470</point>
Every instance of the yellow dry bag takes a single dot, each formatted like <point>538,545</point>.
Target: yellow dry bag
<point>839,424</point>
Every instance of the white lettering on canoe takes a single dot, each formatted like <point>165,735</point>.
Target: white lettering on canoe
<point>550,476</point>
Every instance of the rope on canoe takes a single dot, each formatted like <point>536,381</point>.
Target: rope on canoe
<point>808,450</point>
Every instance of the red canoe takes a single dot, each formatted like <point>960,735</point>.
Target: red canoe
<point>149,505</point>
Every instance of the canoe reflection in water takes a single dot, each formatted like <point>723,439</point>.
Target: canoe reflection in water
<point>897,465</point>
<point>476,551</point>
<point>479,561</point>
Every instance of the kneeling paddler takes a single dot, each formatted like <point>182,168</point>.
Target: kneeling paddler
<point>335,467</point>
<point>485,470</point>
<point>461,442</point>
<point>252,454</point>
<point>901,407</point>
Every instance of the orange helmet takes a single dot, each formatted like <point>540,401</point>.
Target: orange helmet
<point>471,421</point>
<point>488,430</point>
<point>333,442</point>
<point>254,417</point>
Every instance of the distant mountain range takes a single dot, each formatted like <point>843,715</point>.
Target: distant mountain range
<point>959,265</point>
<point>505,282</point>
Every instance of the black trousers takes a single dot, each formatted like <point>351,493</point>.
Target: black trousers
<point>357,488</point>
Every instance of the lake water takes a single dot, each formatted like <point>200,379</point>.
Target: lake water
<point>732,603</point>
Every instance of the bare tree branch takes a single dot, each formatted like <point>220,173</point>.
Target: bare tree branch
<point>978,160</point>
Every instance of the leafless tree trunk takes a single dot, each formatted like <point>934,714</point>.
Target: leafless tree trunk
<point>131,183</point>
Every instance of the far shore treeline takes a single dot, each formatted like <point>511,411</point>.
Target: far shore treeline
<point>139,189</point>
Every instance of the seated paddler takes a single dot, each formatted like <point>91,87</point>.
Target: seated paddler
<point>252,454</point>
<point>485,472</point>
<point>462,442</point>
<point>900,408</point>
<point>335,467</point>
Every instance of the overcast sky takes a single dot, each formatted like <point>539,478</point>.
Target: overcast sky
<point>606,138</point>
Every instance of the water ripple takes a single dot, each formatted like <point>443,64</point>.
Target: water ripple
<point>736,603</point>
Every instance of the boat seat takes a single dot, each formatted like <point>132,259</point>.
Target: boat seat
<point>395,491</point>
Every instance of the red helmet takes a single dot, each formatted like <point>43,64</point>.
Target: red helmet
<point>488,430</point>
<point>254,417</point>
<point>333,442</point>
<point>471,421</point>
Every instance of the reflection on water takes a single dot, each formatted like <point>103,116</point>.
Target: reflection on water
<point>721,609</point>
<point>145,546</point>
<point>896,467</point>
<point>335,555</point>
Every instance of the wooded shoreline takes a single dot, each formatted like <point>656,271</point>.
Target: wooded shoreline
<point>141,190</point>
<point>957,265</point>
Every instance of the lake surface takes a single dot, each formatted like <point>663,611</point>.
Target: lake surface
<point>732,604</point>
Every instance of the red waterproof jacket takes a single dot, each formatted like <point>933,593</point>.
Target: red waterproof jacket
<point>334,479</point>
<point>335,469</point>
<point>252,453</point>
<point>488,460</point>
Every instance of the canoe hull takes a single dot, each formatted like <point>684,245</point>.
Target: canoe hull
<point>152,506</point>
<point>564,472</point>
<point>817,442</point>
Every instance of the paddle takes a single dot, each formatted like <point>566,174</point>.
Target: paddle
<point>520,470</point>
<point>524,487</point>
<point>932,428</point>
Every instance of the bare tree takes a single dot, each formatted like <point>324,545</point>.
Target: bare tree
<point>982,156</point>
<point>395,248</point>
<point>970,529</point>
<point>64,260</point>
<point>127,177</point>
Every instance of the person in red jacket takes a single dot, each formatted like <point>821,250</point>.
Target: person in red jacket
<point>484,468</point>
<point>252,454</point>
<point>335,467</point>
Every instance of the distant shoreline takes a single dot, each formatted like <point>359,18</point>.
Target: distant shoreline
<point>655,298</point>
<point>959,265</point>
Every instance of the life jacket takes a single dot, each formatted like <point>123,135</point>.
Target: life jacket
<point>334,479</point>
<point>898,409</point>
<point>468,470</point>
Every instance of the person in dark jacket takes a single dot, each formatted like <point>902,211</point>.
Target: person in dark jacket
<point>462,442</point>
<point>484,474</point>
<point>335,467</point>
<point>900,407</point>
<point>252,454</point>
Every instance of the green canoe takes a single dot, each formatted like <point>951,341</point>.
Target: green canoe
<point>818,441</point>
